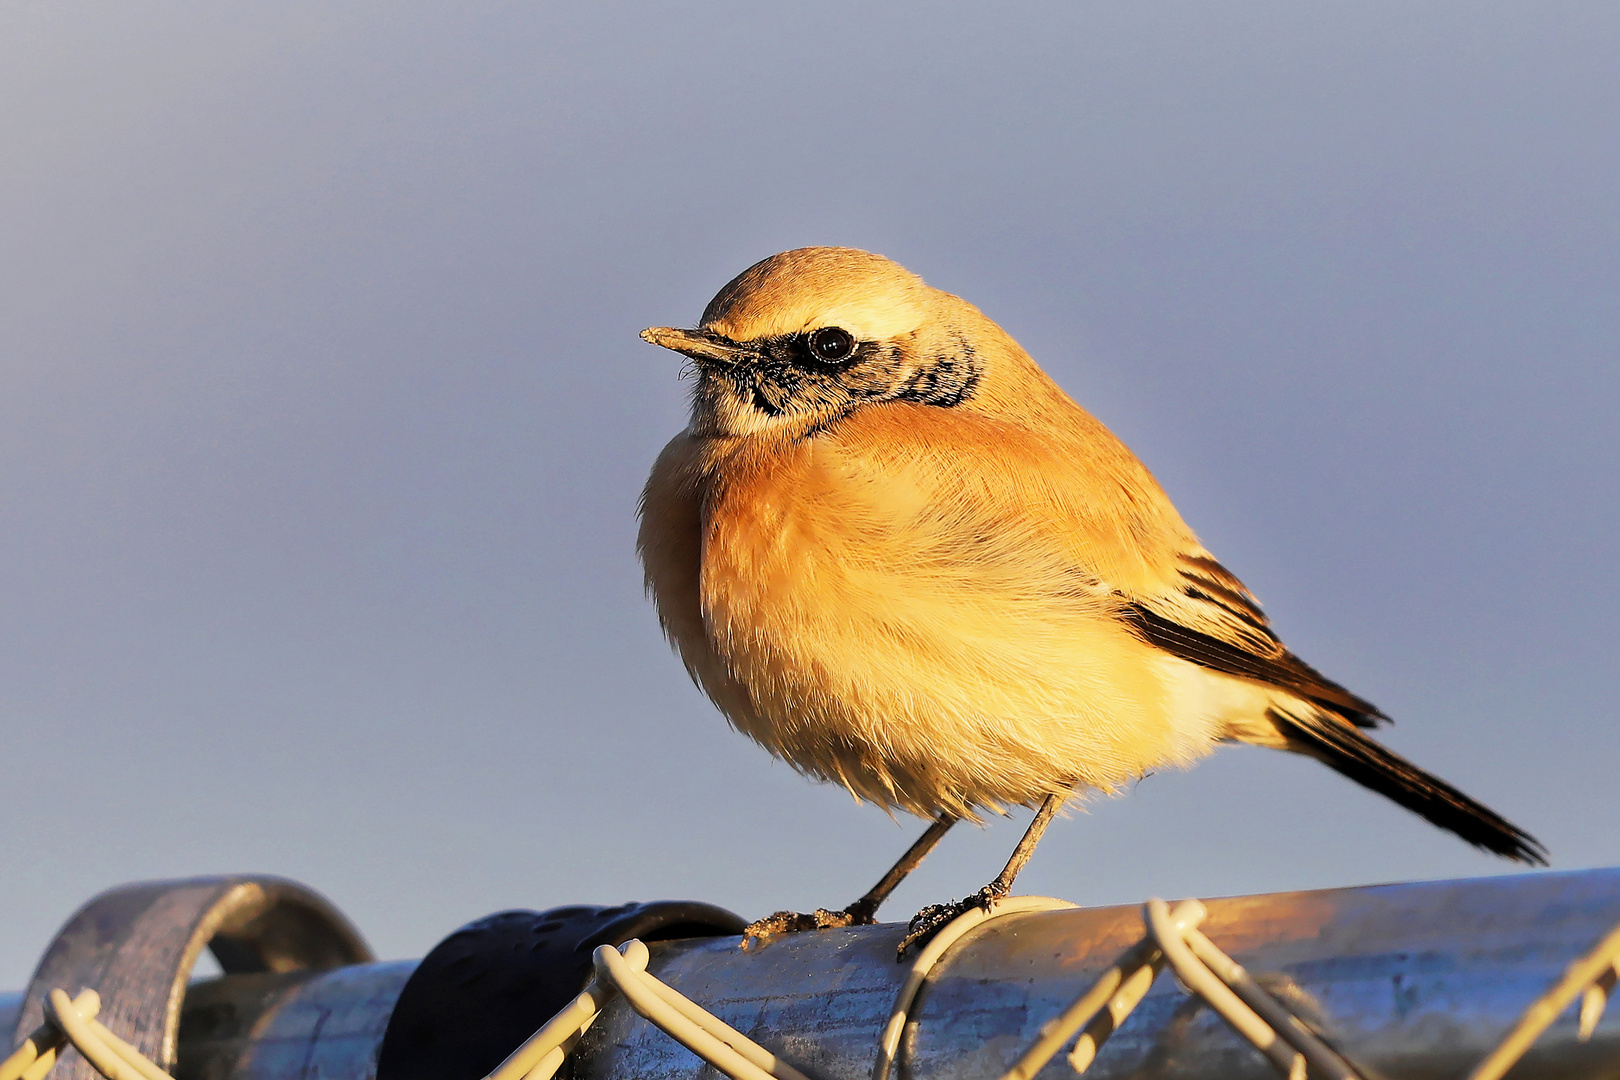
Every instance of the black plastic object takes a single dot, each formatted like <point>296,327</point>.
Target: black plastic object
<point>491,984</point>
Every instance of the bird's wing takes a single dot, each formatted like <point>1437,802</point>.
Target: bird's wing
<point>1087,500</point>
<point>1184,601</point>
<point>1211,619</point>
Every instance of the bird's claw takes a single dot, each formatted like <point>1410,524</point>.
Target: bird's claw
<point>934,918</point>
<point>796,922</point>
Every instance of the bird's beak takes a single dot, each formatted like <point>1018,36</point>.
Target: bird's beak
<point>704,346</point>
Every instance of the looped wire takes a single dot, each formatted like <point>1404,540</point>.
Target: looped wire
<point>1172,938</point>
<point>36,1054</point>
<point>1277,1033</point>
<point>74,1021</point>
<point>1101,1009</point>
<point>1296,1052</point>
<point>624,971</point>
<point>948,935</point>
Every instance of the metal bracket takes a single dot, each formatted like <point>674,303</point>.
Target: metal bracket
<point>136,945</point>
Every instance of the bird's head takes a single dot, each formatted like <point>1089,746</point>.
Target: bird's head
<point>804,338</point>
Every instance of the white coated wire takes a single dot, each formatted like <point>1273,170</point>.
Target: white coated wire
<point>949,934</point>
<point>700,1031</point>
<point>1101,1009</point>
<point>1592,972</point>
<point>37,1052</point>
<point>1321,1059</point>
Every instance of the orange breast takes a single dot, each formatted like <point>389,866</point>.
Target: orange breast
<point>873,621</point>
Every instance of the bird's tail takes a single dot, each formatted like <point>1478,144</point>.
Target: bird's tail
<point>1347,751</point>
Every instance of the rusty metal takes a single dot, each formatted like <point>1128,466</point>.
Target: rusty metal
<point>136,945</point>
<point>1407,982</point>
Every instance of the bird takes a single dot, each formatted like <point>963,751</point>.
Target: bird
<point>897,555</point>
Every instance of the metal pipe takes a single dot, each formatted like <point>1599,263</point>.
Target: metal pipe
<point>1407,982</point>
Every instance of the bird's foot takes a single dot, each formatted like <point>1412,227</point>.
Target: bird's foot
<point>934,918</point>
<point>796,922</point>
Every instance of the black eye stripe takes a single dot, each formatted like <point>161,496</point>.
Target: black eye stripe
<point>781,375</point>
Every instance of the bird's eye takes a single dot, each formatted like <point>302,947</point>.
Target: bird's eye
<point>831,344</point>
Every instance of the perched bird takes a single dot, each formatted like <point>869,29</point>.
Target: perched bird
<point>895,554</point>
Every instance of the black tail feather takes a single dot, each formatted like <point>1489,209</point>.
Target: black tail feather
<point>1350,753</point>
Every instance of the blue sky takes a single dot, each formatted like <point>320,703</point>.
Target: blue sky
<point>323,418</point>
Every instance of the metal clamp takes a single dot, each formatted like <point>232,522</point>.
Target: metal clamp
<point>136,945</point>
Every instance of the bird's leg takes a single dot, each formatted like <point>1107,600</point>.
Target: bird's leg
<point>1016,862</point>
<point>862,910</point>
<point>931,919</point>
<point>859,913</point>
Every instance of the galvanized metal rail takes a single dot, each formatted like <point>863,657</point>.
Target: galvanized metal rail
<point>1396,981</point>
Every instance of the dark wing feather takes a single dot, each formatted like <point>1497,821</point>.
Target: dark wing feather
<point>1214,621</point>
<point>1352,754</point>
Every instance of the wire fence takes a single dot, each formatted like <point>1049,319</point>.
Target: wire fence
<point>1170,938</point>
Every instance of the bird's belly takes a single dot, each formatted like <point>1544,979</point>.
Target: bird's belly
<point>930,687</point>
